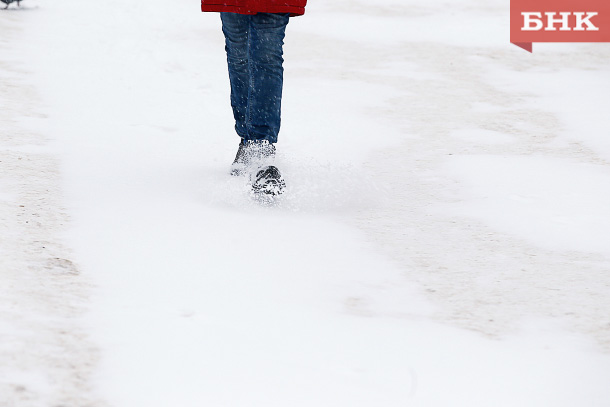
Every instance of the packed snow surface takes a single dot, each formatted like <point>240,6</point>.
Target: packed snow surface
<point>444,239</point>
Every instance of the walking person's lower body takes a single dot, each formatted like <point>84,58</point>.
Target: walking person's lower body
<point>254,45</point>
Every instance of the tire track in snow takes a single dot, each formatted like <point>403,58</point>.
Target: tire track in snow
<point>46,358</point>
<point>483,279</point>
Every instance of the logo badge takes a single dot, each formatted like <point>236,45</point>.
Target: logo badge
<point>558,21</point>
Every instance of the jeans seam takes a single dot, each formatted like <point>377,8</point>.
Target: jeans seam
<point>250,81</point>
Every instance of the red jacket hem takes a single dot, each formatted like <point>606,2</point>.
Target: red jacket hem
<point>293,10</point>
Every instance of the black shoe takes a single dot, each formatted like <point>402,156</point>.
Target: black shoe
<point>252,154</point>
<point>8,3</point>
<point>239,164</point>
<point>268,181</point>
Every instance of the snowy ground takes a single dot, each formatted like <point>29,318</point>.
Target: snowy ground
<point>444,239</point>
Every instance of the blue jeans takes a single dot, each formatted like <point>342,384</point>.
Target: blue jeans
<point>254,45</point>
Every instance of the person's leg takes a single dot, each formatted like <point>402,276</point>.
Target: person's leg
<point>236,28</point>
<point>266,75</point>
<point>255,58</point>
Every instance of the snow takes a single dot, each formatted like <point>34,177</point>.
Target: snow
<point>505,193</point>
<point>443,239</point>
